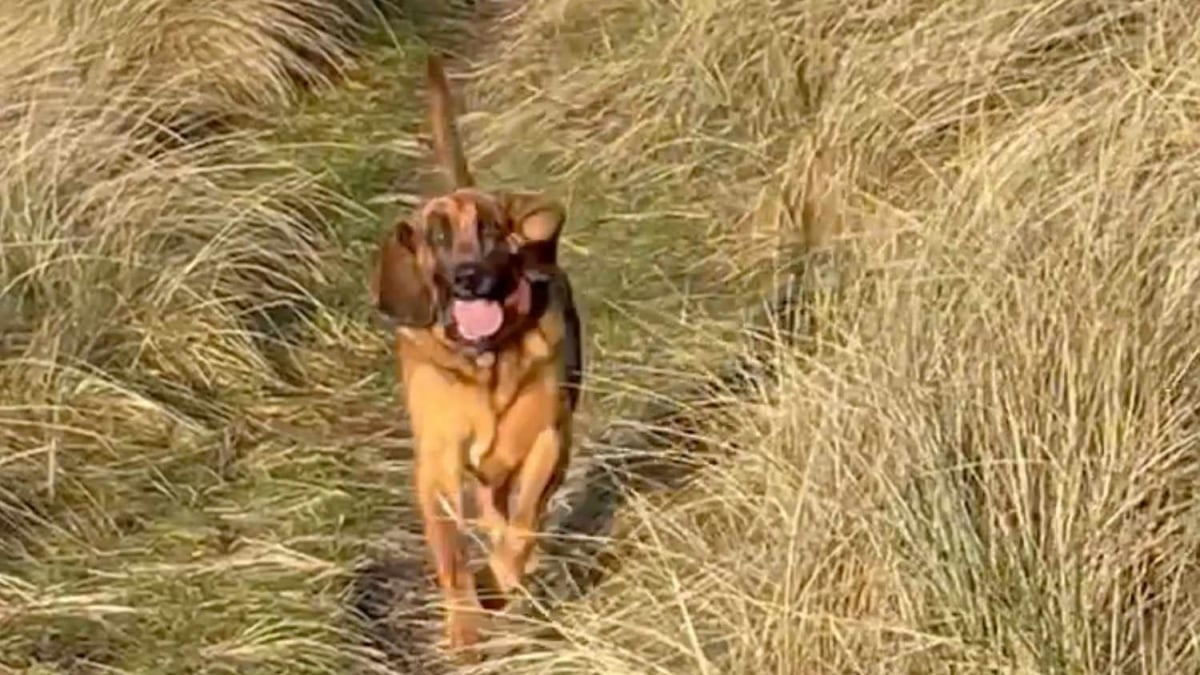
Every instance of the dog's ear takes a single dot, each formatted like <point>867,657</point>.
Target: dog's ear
<point>537,222</point>
<point>397,289</point>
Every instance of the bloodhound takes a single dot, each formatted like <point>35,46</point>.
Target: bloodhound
<point>488,349</point>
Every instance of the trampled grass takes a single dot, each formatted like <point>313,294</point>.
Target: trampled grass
<point>978,456</point>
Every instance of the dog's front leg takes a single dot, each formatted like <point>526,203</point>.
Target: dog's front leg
<point>438,485</point>
<point>536,480</point>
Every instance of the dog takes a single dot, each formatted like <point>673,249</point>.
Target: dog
<point>488,351</point>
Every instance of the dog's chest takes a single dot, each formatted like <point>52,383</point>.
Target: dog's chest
<point>464,399</point>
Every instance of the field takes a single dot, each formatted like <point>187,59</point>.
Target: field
<point>890,305</point>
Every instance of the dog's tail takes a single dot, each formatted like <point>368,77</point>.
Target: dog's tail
<point>446,145</point>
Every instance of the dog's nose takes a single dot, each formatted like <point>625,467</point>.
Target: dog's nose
<point>473,281</point>
<point>464,279</point>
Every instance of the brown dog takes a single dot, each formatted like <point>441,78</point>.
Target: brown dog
<point>487,344</point>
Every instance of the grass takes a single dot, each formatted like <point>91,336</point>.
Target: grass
<point>977,457</point>
<point>981,458</point>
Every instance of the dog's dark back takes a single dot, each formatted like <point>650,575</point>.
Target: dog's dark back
<point>572,336</point>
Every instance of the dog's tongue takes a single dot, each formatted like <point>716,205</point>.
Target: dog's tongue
<point>477,319</point>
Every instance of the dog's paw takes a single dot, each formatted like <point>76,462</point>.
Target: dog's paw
<point>507,576</point>
<point>462,636</point>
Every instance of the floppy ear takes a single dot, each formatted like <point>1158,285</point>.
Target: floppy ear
<point>397,289</point>
<point>537,222</point>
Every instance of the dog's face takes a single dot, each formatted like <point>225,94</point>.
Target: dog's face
<point>466,260</point>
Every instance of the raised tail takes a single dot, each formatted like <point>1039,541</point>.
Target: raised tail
<point>447,148</point>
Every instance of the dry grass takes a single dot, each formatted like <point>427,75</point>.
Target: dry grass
<point>169,493</point>
<point>187,63</point>
<point>980,459</point>
<point>985,458</point>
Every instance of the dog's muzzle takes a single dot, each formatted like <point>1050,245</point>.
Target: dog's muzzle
<point>482,294</point>
<point>474,281</point>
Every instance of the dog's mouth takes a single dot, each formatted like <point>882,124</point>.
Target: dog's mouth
<point>480,320</point>
<point>477,319</point>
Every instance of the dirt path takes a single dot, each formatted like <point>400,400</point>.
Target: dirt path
<point>364,136</point>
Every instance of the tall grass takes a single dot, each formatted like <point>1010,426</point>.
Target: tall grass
<point>190,63</point>
<point>159,282</point>
<point>979,458</point>
<point>983,458</point>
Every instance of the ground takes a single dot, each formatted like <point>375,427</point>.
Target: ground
<point>961,440</point>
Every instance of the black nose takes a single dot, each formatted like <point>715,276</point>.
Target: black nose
<point>471,280</point>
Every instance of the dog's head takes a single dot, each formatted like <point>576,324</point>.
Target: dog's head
<point>467,258</point>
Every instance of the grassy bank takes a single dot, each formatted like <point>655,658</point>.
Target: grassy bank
<point>197,441</point>
<point>980,459</point>
<point>983,460</point>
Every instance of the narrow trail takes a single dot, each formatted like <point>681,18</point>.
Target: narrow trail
<point>391,594</point>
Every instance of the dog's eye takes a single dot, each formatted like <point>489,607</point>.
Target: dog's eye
<point>490,229</point>
<point>439,232</point>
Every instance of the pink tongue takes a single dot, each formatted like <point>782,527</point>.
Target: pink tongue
<point>477,319</point>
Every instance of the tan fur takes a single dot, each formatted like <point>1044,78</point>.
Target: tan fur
<point>511,413</point>
<point>500,419</point>
<point>446,143</point>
